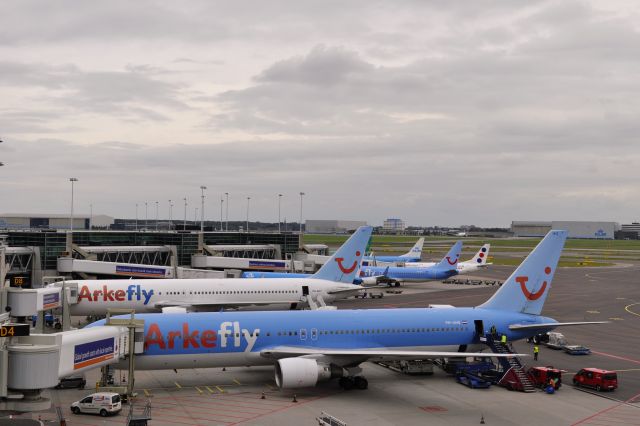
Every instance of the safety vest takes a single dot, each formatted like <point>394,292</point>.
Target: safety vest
<point>536,349</point>
<point>503,339</point>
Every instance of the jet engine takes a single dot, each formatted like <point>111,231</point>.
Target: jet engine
<point>304,372</point>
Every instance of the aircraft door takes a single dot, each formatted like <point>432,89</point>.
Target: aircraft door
<point>305,290</point>
<point>314,334</point>
<point>479,328</point>
<point>303,334</point>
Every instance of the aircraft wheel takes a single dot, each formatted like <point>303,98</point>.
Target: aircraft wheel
<point>346,383</point>
<point>397,284</point>
<point>361,383</point>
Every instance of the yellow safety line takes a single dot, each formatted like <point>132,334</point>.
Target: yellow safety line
<point>626,308</point>
<point>616,319</point>
<point>220,389</point>
<point>200,391</point>
<point>147,393</point>
<point>237,382</point>
<point>209,389</point>
<point>178,385</point>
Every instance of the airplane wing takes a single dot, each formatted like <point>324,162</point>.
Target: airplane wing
<point>289,351</point>
<point>356,289</point>
<point>552,325</point>
<point>190,305</point>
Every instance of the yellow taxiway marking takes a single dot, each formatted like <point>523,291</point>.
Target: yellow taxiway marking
<point>621,298</point>
<point>147,393</point>
<point>616,319</point>
<point>178,385</point>
<point>200,391</point>
<point>220,389</point>
<point>210,390</point>
<point>630,369</point>
<point>237,382</point>
<point>627,308</point>
<point>593,312</point>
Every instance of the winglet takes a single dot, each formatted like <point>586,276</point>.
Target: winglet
<point>343,266</point>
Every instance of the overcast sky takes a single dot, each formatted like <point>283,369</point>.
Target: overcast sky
<point>437,112</point>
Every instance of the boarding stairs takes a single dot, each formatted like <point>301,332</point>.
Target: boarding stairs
<point>514,376</point>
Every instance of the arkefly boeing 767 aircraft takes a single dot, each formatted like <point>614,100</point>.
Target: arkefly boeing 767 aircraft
<point>310,346</point>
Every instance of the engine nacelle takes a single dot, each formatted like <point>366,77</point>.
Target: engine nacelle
<point>304,372</point>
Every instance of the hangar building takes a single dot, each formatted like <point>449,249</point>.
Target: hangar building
<point>576,229</point>
<point>332,226</point>
<point>53,221</point>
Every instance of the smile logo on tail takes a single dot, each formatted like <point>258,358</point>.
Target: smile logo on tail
<point>454,261</point>
<point>350,269</point>
<point>526,292</point>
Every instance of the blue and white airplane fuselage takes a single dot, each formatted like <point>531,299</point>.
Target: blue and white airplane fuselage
<point>214,339</point>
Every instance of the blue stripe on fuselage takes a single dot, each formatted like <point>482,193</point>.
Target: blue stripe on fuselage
<point>201,333</point>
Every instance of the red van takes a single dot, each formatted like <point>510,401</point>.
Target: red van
<point>596,378</point>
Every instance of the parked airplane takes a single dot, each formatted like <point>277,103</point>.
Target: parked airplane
<point>333,281</point>
<point>475,263</point>
<point>310,346</point>
<point>412,255</point>
<point>370,275</point>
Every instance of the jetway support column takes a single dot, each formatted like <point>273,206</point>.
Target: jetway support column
<point>132,325</point>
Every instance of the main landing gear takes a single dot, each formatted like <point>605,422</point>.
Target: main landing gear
<point>358,382</point>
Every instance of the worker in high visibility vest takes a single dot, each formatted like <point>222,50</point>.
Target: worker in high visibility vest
<point>536,350</point>
<point>503,340</point>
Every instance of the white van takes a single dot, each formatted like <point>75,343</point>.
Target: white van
<point>102,403</point>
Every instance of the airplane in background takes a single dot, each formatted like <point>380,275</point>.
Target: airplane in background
<point>394,275</point>
<point>311,346</point>
<point>333,281</point>
<point>478,261</point>
<point>413,255</point>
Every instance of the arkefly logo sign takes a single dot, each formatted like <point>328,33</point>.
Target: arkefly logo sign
<point>523,286</point>
<point>350,269</point>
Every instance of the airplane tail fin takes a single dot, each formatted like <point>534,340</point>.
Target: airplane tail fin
<point>416,250</point>
<point>528,286</point>
<point>481,256</point>
<point>452,257</point>
<point>343,266</point>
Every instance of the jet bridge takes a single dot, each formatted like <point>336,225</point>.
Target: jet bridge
<point>128,261</point>
<point>22,264</point>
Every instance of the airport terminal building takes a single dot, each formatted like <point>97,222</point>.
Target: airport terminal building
<point>576,229</point>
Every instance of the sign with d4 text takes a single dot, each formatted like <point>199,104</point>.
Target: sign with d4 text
<point>13,330</point>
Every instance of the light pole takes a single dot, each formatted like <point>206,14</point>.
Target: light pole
<point>221,203</point>
<point>202,210</point>
<point>279,199</point>
<point>170,211</point>
<point>184,223</point>
<point>90,216</point>
<point>136,216</point>
<point>248,199</point>
<point>72,180</point>
<point>146,215</point>
<point>226,225</point>
<point>301,195</point>
<point>156,215</point>
<point>195,216</point>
